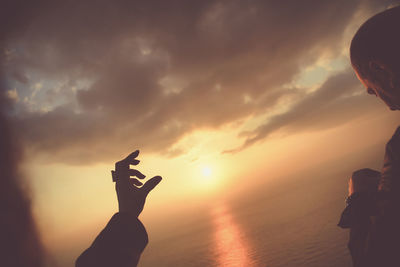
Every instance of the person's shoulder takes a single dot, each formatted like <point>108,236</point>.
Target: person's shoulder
<point>396,135</point>
<point>397,132</point>
<point>394,142</point>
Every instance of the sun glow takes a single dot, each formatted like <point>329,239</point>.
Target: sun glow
<point>206,171</point>
<point>207,176</point>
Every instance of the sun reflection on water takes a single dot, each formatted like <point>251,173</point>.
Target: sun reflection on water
<point>230,244</point>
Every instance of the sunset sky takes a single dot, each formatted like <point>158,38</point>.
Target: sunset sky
<point>221,97</point>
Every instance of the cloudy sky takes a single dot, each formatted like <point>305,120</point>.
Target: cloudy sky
<point>197,86</point>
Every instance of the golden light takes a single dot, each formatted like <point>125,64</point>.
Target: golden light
<point>207,176</point>
<point>206,171</point>
<point>231,245</point>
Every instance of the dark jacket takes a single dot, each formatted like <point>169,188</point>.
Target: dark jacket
<point>120,244</point>
<point>358,217</point>
<point>390,181</point>
<point>385,248</point>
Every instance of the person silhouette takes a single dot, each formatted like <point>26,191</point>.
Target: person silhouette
<point>359,214</point>
<point>375,57</point>
<point>124,238</point>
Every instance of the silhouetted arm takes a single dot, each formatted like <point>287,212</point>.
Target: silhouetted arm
<point>124,238</point>
<point>120,243</point>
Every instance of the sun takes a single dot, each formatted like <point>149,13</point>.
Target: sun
<point>206,171</point>
<point>207,176</point>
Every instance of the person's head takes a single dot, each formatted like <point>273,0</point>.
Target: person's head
<point>364,180</point>
<point>375,56</point>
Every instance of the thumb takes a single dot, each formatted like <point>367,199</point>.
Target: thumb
<point>150,184</point>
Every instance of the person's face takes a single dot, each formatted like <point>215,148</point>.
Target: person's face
<point>384,87</point>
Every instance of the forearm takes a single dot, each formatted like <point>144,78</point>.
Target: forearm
<point>119,244</point>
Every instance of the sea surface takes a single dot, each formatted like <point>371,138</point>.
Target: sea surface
<point>290,223</point>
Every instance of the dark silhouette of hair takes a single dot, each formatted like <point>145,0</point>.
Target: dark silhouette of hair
<point>378,39</point>
<point>20,243</point>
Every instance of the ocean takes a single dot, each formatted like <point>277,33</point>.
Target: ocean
<point>290,223</point>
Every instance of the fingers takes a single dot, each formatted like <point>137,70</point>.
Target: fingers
<point>150,184</point>
<point>134,162</point>
<point>135,182</point>
<point>131,172</point>
<point>131,158</point>
<point>122,168</point>
<point>136,173</point>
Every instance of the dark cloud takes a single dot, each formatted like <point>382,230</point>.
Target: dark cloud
<point>147,73</point>
<point>339,100</point>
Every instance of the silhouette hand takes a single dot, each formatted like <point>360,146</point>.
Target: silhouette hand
<point>131,197</point>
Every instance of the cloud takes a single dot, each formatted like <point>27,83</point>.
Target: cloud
<point>13,95</point>
<point>339,100</point>
<point>144,74</point>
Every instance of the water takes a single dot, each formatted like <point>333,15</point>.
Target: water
<point>292,223</point>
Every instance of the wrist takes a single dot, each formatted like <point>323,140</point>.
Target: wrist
<point>128,214</point>
<point>129,211</point>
